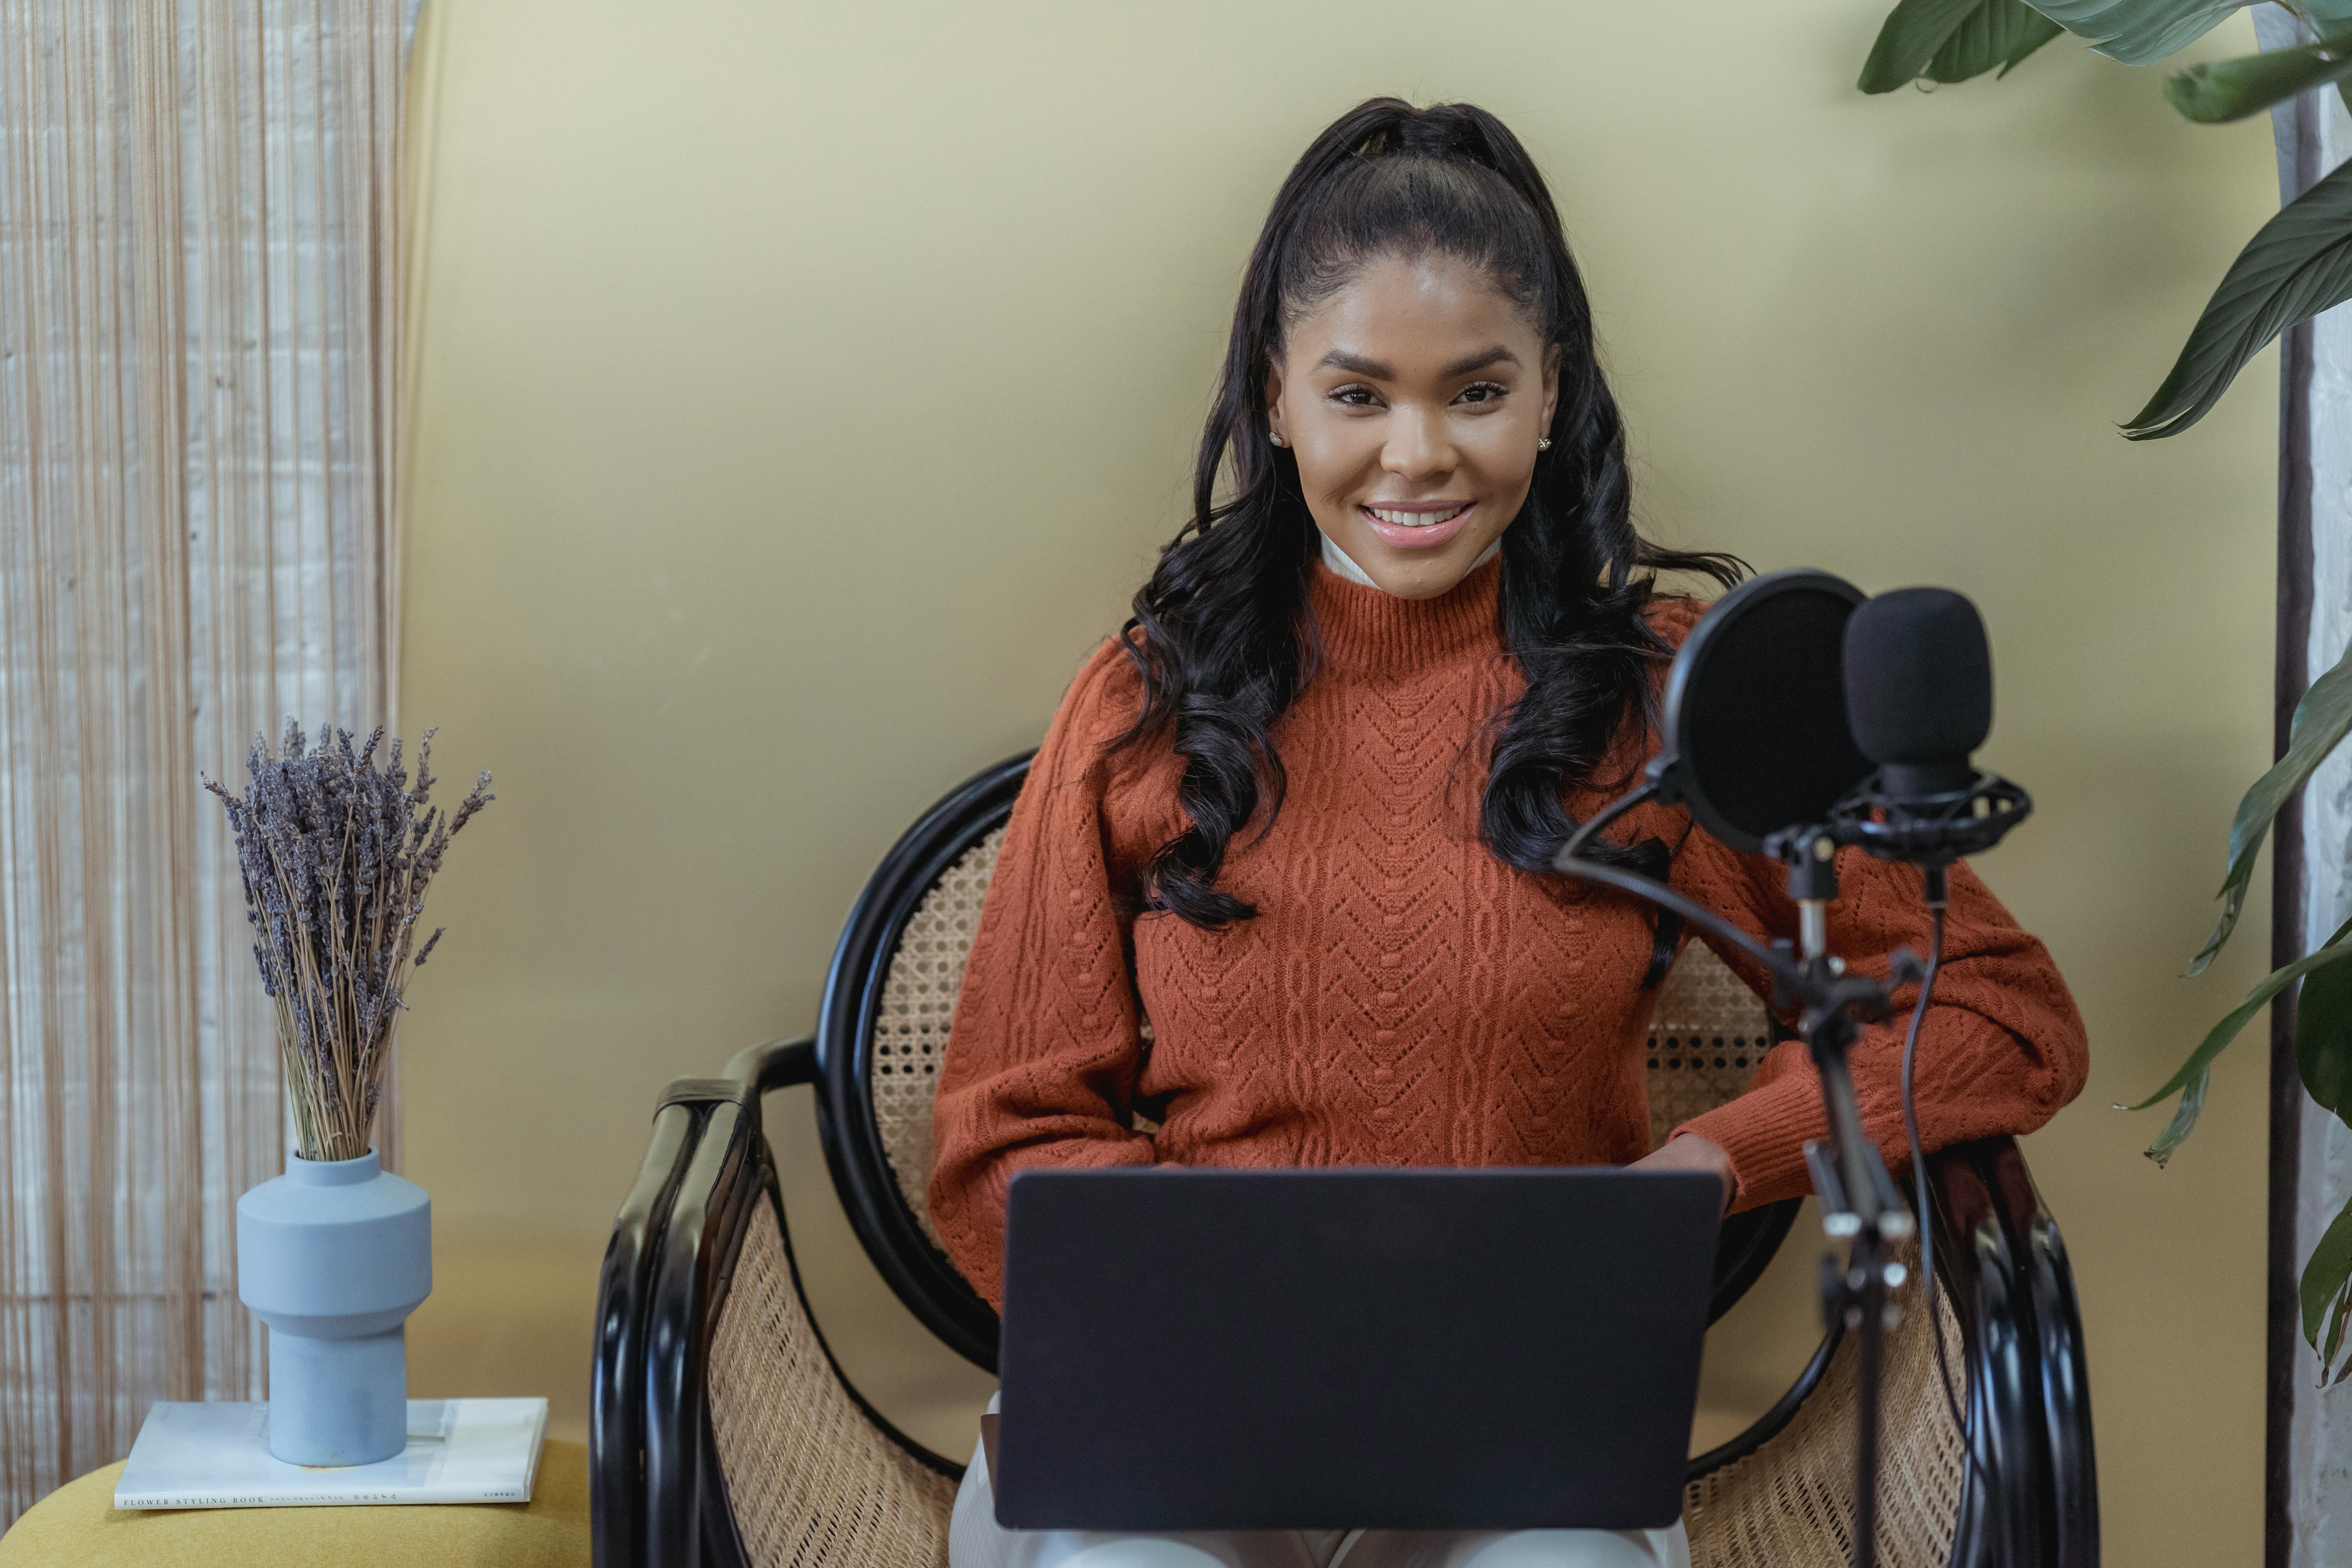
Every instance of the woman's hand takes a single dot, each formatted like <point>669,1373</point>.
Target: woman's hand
<point>1689,1152</point>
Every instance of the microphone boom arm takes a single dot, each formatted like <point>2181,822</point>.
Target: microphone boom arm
<point>1827,999</point>
<point>1783,969</point>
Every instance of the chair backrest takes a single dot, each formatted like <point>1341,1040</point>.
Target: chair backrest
<point>919,986</point>
<point>891,997</point>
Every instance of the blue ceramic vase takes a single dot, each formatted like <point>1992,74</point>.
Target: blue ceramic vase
<point>333,1255</point>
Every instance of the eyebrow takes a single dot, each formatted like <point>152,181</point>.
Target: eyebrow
<point>1357,365</point>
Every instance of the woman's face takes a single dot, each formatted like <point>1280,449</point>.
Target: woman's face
<point>1413,398</point>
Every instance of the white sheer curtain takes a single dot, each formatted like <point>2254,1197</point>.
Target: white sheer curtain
<point>199,302</point>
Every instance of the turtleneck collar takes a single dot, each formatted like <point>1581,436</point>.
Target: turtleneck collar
<point>1342,562</point>
<point>1366,630</point>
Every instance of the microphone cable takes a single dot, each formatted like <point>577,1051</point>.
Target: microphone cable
<point>1935,900</point>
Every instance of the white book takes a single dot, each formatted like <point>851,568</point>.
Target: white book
<point>217,1455</point>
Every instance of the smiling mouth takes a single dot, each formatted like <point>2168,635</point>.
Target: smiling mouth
<point>1401,518</point>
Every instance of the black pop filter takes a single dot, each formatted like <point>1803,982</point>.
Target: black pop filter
<point>1756,737</point>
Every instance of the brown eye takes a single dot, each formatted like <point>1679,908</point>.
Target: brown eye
<point>1482,392</point>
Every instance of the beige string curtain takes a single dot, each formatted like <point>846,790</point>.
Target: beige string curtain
<point>199,347</point>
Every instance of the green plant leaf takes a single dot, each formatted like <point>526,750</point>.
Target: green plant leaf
<point>2195,1074</point>
<point>2184,1115</point>
<point>1952,41</point>
<point>2298,265</point>
<point>2322,1039</point>
<point>2001,32</point>
<point>1908,39</point>
<point>2223,91</point>
<point>2324,1275</point>
<point>2335,1340</point>
<point>2141,31</point>
<point>2321,721</point>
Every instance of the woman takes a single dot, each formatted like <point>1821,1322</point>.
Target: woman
<point>1299,815</point>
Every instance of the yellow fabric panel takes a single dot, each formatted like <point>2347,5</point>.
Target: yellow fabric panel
<point>77,1526</point>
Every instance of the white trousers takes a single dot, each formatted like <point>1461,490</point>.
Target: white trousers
<point>976,1540</point>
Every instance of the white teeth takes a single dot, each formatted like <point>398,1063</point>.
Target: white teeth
<point>1416,518</point>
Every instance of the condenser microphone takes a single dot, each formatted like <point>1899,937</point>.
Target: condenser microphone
<point>1918,689</point>
<point>1918,693</point>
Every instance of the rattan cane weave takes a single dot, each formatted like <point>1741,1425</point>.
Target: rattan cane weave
<point>812,1483</point>
<point>1708,1033</point>
<point>1790,1504</point>
<point>919,1000</point>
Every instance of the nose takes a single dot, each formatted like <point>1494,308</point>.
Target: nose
<point>1419,447</point>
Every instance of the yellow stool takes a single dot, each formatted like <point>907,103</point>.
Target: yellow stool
<point>77,1526</point>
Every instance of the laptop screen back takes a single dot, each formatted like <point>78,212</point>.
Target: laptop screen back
<point>1511,1348</point>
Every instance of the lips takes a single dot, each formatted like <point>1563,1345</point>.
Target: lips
<point>1416,525</point>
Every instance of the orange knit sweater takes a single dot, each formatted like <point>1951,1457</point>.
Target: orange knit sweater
<point>1402,997</point>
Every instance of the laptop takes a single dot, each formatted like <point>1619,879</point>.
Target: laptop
<point>1494,1349</point>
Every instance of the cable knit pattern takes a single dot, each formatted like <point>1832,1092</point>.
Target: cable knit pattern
<point>1402,997</point>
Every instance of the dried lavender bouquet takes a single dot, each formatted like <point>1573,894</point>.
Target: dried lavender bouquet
<point>336,849</point>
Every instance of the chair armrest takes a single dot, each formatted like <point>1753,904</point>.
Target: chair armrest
<point>2065,1386</point>
<point>616,1428</point>
<point>625,1288</point>
<point>2001,1521</point>
<point>773,1065</point>
<point>689,1520</point>
<point>724,1177</point>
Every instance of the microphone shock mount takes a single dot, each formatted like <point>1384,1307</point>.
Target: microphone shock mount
<point>1929,831</point>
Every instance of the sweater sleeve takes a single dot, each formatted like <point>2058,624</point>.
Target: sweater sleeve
<point>2002,1049</point>
<point>1045,1046</point>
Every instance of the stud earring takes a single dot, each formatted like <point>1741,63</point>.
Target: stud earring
<point>1275,437</point>
<point>1543,443</point>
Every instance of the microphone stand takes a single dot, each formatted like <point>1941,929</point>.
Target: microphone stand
<point>1859,1201</point>
<point>1857,1196</point>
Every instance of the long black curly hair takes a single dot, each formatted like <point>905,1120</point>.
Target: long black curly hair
<point>1221,622</point>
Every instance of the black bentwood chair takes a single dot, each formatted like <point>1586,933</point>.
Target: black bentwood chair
<point>726,1436</point>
